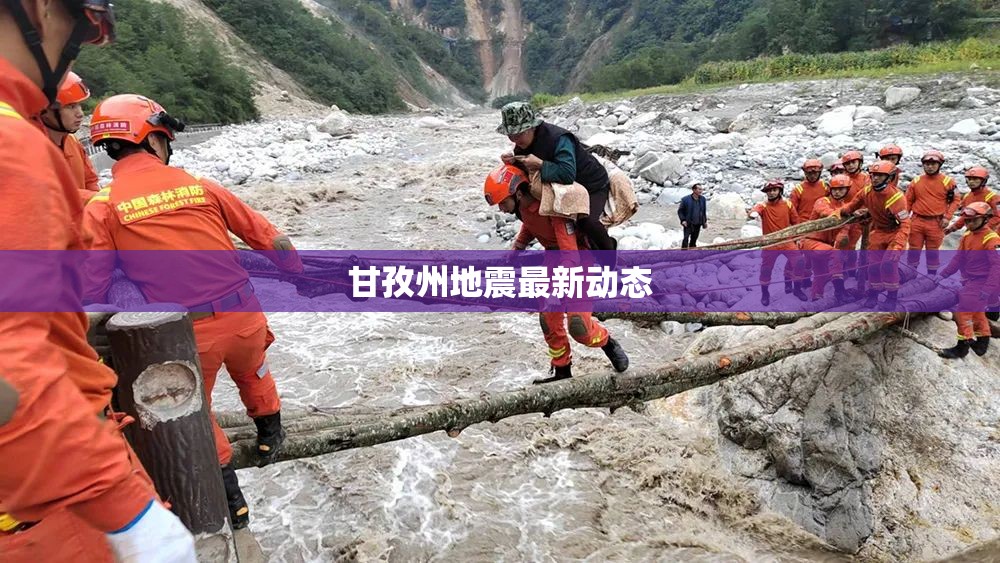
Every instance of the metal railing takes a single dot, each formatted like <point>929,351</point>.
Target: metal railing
<point>189,130</point>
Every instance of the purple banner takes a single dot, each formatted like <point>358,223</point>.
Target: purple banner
<point>479,281</point>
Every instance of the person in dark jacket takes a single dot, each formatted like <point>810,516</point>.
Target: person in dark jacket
<point>693,213</point>
<point>561,158</point>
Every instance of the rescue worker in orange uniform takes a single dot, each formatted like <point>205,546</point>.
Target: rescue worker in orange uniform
<point>853,162</point>
<point>891,153</point>
<point>980,280</point>
<point>890,229</point>
<point>932,201</point>
<point>976,178</point>
<point>507,187</point>
<point>62,120</point>
<point>776,214</point>
<point>151,206</point>
<point>826,265</point>
<point>804,197</point>
<point>70,489</point>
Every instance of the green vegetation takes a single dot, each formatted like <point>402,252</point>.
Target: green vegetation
<point>156,56</point>
<point>899,57</point>
<point>400,44</point>
<point>332,66</point>
<point>443,13</point>
<point>933,58</point>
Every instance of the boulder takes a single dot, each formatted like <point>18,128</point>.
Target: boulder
<point>869,112</point>
<point>336,123</point>
<point>671,196</point>
<point>431,122</point>
<point>667,167</point>
<point>897,96</point>
<point>790,109</point>
<point>586,131</point>
<point>965,128</point>
<point>605,138</point>
<point>726,141</point>
<point>838,121</point>
<point>726,206</point>
<point>644,120</point>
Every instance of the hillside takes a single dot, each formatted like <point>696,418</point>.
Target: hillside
<point>557,46</point>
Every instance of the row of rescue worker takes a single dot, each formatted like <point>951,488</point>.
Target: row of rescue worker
<point>73,490</point>
<point>916,219</point>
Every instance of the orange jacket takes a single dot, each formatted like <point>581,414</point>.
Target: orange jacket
<point>984,195</point>
<point>554,233</point>
<point>151,206</point>
<point>82,168</point>
<point>776,215</point>
<point>805,196</point>
<point>57,453</point>
<point>858,183</point>
<point>826,207</point>
<point>888,212</point>
<point>978,264</point>
<point>927,196</point>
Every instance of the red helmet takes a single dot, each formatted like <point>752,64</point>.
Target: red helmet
<point>978,209</point>
<point>978,172</point>
<point>933,156</point>
<point>840,181</point>
<point>890,150</point>
<point>502,183</point>
<point>812,165</point>
<point>132,118</point>
<point>837,167</point>
<point>852,155</point>
<point>773,184</point>
<point>72,90</point>
<point>882,167</point>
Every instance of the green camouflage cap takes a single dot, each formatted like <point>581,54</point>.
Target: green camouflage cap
<point>518,117</point>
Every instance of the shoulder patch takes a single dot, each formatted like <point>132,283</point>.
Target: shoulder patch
<point>990,236</point>
<point>7,110</point>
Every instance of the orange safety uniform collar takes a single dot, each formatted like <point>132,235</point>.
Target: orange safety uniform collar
<point>23,95</point>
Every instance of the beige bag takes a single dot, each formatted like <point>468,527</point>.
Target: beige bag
<point>622,204</point>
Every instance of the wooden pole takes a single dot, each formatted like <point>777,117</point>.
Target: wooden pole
<point>160,385</point>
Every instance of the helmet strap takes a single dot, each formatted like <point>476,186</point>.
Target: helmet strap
<point>51,77</point>
<point>58,126</point>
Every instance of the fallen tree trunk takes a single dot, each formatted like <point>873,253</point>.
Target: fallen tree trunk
<point>784,235</point>
<point>601,391</point>
<point>710,319</point>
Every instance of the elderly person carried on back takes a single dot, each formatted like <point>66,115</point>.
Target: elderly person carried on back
<point>561,159</point>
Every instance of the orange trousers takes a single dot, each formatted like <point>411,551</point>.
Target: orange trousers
<point>63,537</point>
<point>770,255</point>
<point>824,262</point>
<point>883,267</point>
<point>854,233</point>
<point>925,231</point>
<point>582,327</point>
<point>240,341</point>
<point>972,324</point>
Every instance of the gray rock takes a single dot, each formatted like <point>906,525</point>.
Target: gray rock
<point>610,121</point>
<point>790,109</point>
<point>965,128</point>
<point>588,131</point>
<point>667,167</point>
<point>336,123</point>
<point>897,96</point>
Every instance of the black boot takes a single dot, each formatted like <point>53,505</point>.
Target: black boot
<point>981,345</point>
<point>890,300</point>
<point>797,291</point>
<point>613,350</point>
<point>765,296</point>
<point>270,436</point>
<point>806,283</point>
<point>239,513</point>
<point>789,287</point>
<point>556,374</point>
<point>871,299</point>
<point>839,293</point>
<point>959,350</point>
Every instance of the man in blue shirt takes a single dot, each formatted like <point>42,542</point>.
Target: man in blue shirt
<point>693,213</point>
<point>562,159</point>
